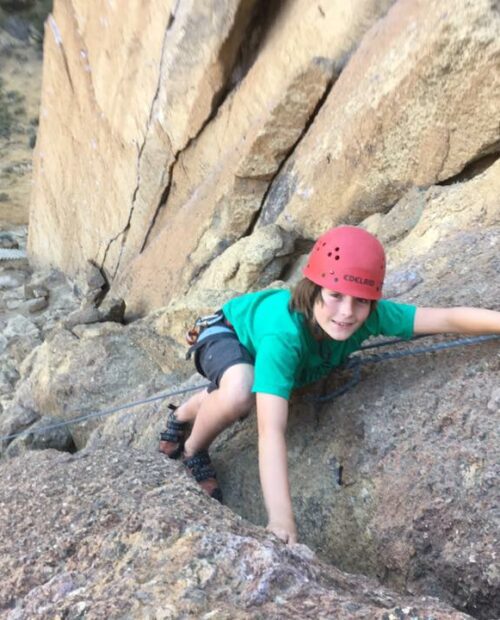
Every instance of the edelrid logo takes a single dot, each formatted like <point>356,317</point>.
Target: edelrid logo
<point>363,281</point>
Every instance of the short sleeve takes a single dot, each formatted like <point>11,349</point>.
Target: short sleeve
<point>275,366</point>
<point>395,319</point>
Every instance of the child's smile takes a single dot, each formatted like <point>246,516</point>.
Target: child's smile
<point>340,315</point>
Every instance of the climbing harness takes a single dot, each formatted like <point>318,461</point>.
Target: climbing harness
<point>215,324</point>
<point>205,329</point>
<point>353,364</point>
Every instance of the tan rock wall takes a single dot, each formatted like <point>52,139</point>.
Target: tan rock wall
<point>116,107</point>
<point>170,135</point>
<point>218,184</point>
<point>414,105</point>
<point>91,125</point>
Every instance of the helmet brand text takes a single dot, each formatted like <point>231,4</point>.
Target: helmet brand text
<point>358,280</point>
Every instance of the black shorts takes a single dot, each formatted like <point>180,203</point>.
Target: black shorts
<point>219,353</point>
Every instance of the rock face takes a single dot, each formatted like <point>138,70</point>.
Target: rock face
<point>189,152</point>
<point>124,84</point>
<point>80,372</point>
<point>396,479</point>
<point>395,121</point>
<point>239,120</point>
<point>119,533</point>
<point>167,158</point>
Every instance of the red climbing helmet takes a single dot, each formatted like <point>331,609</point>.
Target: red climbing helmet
<point>349,260</point>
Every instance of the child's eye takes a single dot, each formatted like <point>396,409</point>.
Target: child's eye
<point>335,295</point>
<point>363,301</point>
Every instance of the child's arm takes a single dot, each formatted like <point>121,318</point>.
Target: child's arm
<point>272,416</point>
<point>456,320</point>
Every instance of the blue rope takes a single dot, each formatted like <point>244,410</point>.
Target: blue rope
<point>354,363</point>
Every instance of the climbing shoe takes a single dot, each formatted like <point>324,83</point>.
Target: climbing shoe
<point>201,468</point>
<point>172,439</point>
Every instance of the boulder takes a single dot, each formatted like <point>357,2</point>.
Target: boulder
<point>422,220</point>
<point>43,434</point>
<point>252,261</point>
<point>15,419</point>
<point>19,337</point>
<point>133,536</point>
<point>92,368</point>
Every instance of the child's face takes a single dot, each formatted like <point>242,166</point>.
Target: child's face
<point>340,315</point>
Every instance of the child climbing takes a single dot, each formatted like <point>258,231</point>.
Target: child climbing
<point>262,345</point>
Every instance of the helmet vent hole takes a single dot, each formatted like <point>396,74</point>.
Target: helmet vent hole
<point>329,254</point>
<point>336,280</point>
<point>337,257</point>
<point>323,275</point>
<point>337,249</point>
<point>323,244</point>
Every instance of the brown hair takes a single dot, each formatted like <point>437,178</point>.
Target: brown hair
<point>304,295</point>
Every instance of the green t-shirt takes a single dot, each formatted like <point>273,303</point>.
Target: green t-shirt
<point>285,352</point>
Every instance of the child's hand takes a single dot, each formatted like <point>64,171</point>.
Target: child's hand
<point>285,531</point>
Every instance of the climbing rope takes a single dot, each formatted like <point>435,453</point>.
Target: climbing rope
<point>353,364</point>
<point>102,414</point>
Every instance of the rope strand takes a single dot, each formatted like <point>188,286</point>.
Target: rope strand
<point>353,363</point>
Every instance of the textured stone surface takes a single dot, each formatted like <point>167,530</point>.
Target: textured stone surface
<point>252,261</point>
<point>351,466</point>
<point>396,120</point>
<point>143,146</point>
<point>220,181</point>
<point>131,89</point>
<point>440,212</point>
<point>89,369</point>
<point>113,533</point>
<point>396,478</point>
<point>223,160</point>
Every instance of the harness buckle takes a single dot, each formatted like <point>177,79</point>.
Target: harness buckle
<point>201,323</point>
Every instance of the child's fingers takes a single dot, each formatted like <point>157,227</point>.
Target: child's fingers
<point>287,536</point>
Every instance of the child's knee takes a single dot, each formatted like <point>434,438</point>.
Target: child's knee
<point>240,403</point>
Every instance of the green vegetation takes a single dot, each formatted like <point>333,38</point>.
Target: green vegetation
<point>35,13</point>
<point>6,117</point>
<point>10,108</point>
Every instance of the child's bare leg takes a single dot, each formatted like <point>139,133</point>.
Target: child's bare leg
<point>220,408</point>
<point>188,411</point>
